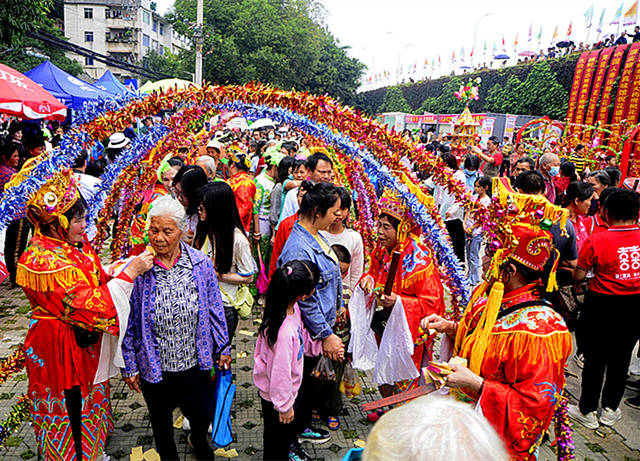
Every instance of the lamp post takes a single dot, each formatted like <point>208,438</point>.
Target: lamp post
<point>198,37</point>
<point>475,36</point>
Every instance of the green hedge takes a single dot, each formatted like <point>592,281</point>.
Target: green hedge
<point>525,95</point>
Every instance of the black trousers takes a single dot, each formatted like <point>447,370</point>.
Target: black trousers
<point>458,237</point>
<point>317,394</point>
<point>277,437</point>
<point>191,391</point>
<point>607,351</point>
<point>73,403</point>
<point>231,316</point>
<point>15,242</point>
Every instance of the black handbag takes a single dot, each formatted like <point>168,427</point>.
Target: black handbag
<point>85,338</point>
<point>379,321</point>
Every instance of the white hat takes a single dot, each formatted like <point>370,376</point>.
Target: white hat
<point>117,141</point>
<point>215,144</point>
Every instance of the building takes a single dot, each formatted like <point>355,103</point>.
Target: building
<point>123,29</point>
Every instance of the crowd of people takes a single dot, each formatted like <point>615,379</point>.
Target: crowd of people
<point>264,205</point>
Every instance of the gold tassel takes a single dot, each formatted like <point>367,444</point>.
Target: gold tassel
<point>476,344</point>
<point>47,281</point>
<point>552,283</point>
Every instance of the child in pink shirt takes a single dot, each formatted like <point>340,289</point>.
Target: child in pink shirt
<point>279,356</point>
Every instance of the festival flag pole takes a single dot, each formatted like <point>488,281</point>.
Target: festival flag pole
<point>631,16</point>
<point>555,35</point>
<point>599,29</point>
<point>540,37</point>
<point>617,17</point>
<point>588,19</point>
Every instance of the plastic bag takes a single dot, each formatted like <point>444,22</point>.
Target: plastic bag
<point>225,390</point>
<point>350,385</point>
<point>324,369</point>
<point>262,283</point>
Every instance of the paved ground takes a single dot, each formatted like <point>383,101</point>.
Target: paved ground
<point>132,421</point>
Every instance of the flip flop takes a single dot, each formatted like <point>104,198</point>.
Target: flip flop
<point>315,417</point>
<point>333,423</point>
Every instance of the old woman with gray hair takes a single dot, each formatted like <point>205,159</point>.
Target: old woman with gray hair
<point>176,330</point>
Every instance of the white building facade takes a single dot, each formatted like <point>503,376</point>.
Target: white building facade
<point>125,30</point>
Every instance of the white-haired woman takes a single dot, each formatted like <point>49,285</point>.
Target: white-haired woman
<point>433,428</point>
<point>176,328</point>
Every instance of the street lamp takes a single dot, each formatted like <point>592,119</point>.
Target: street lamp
<point>475,36</point>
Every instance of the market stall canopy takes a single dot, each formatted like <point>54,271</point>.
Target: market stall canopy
<point>166,84</point>
<point>22,97</point>
<point>109,83</point>
<point>501,56</point>
<point>262,123</point>
<point>70,90</point>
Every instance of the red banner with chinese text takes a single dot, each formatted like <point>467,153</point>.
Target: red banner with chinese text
<point>612,75</point>
<point>598,81</point>
<point>575,87</point>
<point>633,102</point>
<point>624,88</point>
<point>585,87</point>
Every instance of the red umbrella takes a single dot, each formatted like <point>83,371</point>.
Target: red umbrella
<point>22,97</point>
<point>529,54</point>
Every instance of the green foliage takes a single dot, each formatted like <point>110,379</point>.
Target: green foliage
<point>170,64</point>
<point>17,57</point>
<point>530,89</point>
<point>19,17</point>
<point>282,42</point>
<point>394,101</point>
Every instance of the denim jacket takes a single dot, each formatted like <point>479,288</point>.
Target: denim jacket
<point>140,346</point>
<point>318,311</point>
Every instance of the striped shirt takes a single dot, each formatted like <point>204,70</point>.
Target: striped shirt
<point>579,161</point>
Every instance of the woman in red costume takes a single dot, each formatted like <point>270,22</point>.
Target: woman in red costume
<point>243,187</point>
<point>69,360</point>
<point>515,344</point>
<point>416,284</point>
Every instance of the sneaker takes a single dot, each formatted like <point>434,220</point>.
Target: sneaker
<point>609,417</point>
<point>633,402</point>
<point>579,359</point>
<point>634,385</point>
<point>314,435</point>
<point>590,420</point>
<point>297,453</point>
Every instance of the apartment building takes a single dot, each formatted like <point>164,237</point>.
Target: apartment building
<point>122,29</point>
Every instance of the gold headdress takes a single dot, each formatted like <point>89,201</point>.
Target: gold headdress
<point>53,199</point>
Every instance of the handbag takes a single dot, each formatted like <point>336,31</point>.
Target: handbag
<point>84,337</point>
<point>224,391</point>
<point>570,301</point>
<point>379,321</point>
<point>243,302</point>
<point>262,282</point>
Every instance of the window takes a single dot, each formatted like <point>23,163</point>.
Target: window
<point>161,28</point>
<point>88,13</point>
<point>88,61</point>
<point>145,40</point>
<point>146,17</point>
<point>155,25</point>
<point>88,36</point>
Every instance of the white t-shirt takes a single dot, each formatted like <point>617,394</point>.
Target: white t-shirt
<point>291,205</point>
<point>352,241</point>
<point>242,263</point>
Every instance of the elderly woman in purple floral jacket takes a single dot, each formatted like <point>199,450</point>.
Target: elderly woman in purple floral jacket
<point>176,327</point>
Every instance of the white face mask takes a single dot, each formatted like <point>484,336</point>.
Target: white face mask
<point>271,136</point>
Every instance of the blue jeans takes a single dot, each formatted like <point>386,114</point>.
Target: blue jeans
<point>472,250</point>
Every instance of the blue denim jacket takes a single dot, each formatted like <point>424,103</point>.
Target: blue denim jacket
<point>140,346</point>
<point>318,311</point>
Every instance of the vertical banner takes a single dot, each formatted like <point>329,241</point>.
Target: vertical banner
<point>575,87</point>
<point>487,130</point>
<point>633,102</point>
<point>398,123</point>
<point>612,75</point>
<point>510,126</point>
<point>585,86</point>
<point>624,88</point>
<point>598,81</point>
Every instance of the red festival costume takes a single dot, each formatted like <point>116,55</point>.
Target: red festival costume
<point>244,189</point>
<point>137,239</point>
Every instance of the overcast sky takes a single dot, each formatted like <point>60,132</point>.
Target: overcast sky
<point>387,34</point>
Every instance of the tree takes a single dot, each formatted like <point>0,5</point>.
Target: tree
<point>19,17</point>
<point>282,42</point>
<point>542,94</point>
<point>394,101</point>
<point>512,96</point>
<point>495,99</point>
<point>170,64</point>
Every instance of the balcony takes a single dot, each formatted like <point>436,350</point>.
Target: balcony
<point>122,46</point>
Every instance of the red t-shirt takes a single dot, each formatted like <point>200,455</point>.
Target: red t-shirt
<point>614,257</point>
<point>595,224</point>
<point>282,235</point>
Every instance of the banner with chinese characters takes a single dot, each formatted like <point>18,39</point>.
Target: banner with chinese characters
<point>633,102</point>
<point>585,86</point>
<point>575,87</point>
<point>487,130</point>
<point>612,75</point>
<point>624,88</point>
<point>510,126</point>
<point>596,89</point>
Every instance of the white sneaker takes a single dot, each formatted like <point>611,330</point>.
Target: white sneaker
<point>590,420</point>
<point>609,417</point>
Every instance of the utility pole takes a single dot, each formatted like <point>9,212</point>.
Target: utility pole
<point>199,40</point>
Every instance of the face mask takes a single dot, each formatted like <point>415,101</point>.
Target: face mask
<point>469,173</point>
<point>271,136</point>
<point>554,171</point>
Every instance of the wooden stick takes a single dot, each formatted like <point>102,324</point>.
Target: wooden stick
<point>398,398</point>
<point>391,277</point>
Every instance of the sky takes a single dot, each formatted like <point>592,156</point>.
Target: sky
<point>389,34</point>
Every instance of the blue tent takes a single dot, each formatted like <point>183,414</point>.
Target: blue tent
<point>72,91</point>
<point>109,83</point>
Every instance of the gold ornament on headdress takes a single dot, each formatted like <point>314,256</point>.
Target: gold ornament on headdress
<point>53,199</point>
<point>233,151</point>
<point>391,204</point>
